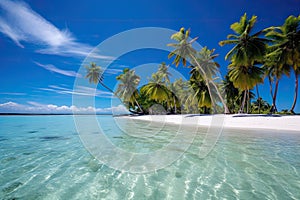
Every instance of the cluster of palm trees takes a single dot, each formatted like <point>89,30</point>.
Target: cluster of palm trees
<point>272,52</point>
<point>269,53</point>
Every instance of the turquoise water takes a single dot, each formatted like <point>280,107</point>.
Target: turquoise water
<point>42,157</point>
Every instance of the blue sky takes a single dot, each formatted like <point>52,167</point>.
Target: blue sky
<point>43,43</point>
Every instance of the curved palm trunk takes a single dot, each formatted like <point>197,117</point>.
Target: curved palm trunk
<point>175,107</point>
<point>206,80</point>
<point>258,97</point>
<point>275,96</point>
<point>271,87</point>
<point>135,112</point>
<point>211,99</point>
<point>226,110</point>
<point>106,87</point>
<point>296,92</point>
<point>248,101</point>
<point>137,103</point>
<point>243,102</point>
<point>271,92</point>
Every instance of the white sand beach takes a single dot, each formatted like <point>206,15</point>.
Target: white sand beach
<point>245,121</point>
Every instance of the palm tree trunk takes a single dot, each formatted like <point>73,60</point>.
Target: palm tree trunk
<point>243,102</point>
<point>114,93</point>
<point>175,108</point>
<point>211,98</point>
<point>206,80</point>
<point>120,98</point>
<point>226,110</point>
<point>248,101</point>
<point>271,92</point>
<point>258,98</point>
<point>107,87</point>
<point>275,96</point>
<point>137,103</point>
<point>296,92</point>
<point>271,87</point>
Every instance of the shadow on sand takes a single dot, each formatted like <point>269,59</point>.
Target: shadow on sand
<point>256,115</point>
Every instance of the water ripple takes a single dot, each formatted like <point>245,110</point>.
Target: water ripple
<point>53,164</point>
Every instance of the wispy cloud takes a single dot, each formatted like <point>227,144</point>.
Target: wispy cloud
<point>13,93</point>
<point>35,107</point>
<point>21,24</point>
<point>113,71</point>
<point>80,90</point>
<point>52,68</point>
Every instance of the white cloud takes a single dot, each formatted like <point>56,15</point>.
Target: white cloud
<point>35,107</point>
<point>52,68</point>
<point>11,106</point>
<point>21,24</point>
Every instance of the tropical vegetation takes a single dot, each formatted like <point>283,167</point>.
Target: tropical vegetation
<point>254,57</point>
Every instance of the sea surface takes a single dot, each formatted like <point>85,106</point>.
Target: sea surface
<point>43,157</point>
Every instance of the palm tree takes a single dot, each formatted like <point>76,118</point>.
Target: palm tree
<point>156,89</point>
<point>164,73</point>
<point>145,102</point>
<point>249,49</point>
<point>205,59</point>
<point>231,94</point>
<point>176,89</point>
<point>245,78</point>
<point>258,98</point>
<point>260,104</point>
<point>274,69</point>
<point>286,47</point>
<point>183,51</point>
<point>184,92</point>
<point>127,88</point>
<point>95,75</point>
<point>200,94</point>
<point>297,73</point>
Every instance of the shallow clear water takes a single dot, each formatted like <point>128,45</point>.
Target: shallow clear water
<point>42,157</point>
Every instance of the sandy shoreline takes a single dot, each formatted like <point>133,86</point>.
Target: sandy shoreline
<point>270,122</point>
